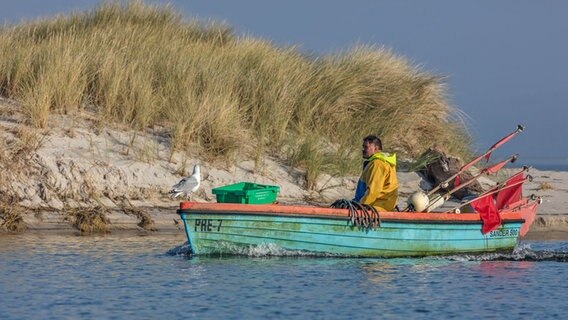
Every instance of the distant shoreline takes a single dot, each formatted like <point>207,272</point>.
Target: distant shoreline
<point>560,167</point>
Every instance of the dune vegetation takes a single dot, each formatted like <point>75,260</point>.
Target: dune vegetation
<point>144,67</point>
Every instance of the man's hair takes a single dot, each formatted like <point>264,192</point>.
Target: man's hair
<point>374,140</point>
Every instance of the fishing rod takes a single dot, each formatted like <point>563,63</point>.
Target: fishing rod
<point>485,171</point>
<point>500,187</point>
<point>487,153</point>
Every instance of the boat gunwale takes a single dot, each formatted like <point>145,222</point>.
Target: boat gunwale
<point>334,213</point>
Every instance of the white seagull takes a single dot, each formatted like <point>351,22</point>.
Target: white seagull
<point>187,185</point>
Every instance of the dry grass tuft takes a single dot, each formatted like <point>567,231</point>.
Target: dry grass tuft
<point>22,143</point>
<point>16,152</point>
<point>545,186</point>
<point>27,142</point>
<point>89,220</point>
<point>12,217</point>
<point>145,220</point>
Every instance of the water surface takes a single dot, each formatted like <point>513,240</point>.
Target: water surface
<point>129,276</point>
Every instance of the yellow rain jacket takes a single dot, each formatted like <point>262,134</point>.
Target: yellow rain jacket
<point>378,185</point>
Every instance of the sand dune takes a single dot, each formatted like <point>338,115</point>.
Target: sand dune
<point>76,164</point>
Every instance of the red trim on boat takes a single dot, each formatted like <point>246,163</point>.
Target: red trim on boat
<point>230,208</point>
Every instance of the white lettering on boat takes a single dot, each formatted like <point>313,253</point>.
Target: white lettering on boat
<point>504,233</point>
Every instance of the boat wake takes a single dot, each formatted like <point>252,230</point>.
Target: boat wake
<point>270,250</point>
<point>261,250</point>
<point>523,252</point>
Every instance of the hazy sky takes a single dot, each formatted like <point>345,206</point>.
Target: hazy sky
<point>506,62</point>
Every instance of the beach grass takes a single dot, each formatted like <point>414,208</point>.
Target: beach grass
<point>145,221</point>
<point>143,67</point>
<point>91,219</point>
<point>12,217</point>
<point>543,186</point>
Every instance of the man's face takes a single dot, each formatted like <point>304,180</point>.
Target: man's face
<point>369,149</point>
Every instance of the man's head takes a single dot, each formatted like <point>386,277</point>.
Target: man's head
<point>371,145</point>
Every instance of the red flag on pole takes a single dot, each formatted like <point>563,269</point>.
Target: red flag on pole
<point>512,194</point>
<point>496,167</point>
<point>487,210</point>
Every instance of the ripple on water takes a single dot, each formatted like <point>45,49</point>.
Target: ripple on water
<point>133,277</point>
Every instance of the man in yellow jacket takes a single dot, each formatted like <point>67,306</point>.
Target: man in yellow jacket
<point>378,185</point>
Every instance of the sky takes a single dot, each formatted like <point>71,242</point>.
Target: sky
<point>505,61</point>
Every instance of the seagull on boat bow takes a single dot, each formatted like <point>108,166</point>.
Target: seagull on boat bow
<point>188,185</point>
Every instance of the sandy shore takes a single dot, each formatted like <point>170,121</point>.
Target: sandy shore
<point>77,164</point>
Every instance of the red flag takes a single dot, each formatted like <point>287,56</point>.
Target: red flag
<point>457,181</point>
<point>487,210</point>
<point>487,157</point>
<point>512,194</point>
<point>496,167</point>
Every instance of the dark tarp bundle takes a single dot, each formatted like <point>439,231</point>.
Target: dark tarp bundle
<point>442,167</point>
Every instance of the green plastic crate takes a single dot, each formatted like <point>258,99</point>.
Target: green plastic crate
<point>246,192</point>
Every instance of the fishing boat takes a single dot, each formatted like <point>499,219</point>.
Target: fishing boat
<point>496,220</point>
<point>226,228</point>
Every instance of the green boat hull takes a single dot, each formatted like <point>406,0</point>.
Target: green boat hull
<point>211,233</point>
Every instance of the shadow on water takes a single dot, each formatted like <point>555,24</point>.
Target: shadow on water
<point>181,250</point>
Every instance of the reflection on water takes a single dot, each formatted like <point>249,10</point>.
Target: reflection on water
<point>380,273</point>
<point>514,270</point>
<point>129,276</point>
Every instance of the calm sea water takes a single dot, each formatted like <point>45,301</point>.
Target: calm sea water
<point>544,166</point>
<point>141,277</point>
